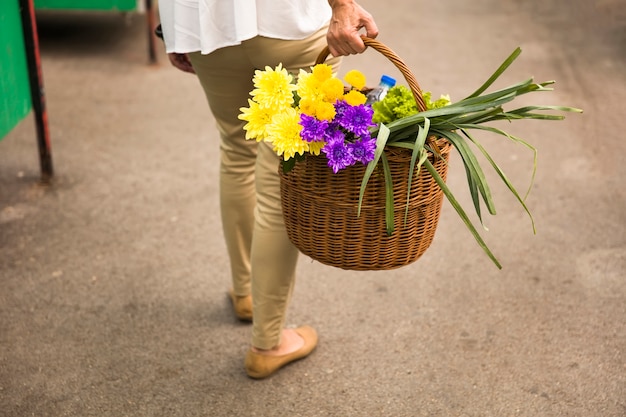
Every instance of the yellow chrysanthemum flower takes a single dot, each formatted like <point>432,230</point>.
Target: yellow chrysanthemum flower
<point>308,87</point>
<point>284,132</point>
<point>332,90</point>
<point>315,148</point>
<point>308,106</point>
<point>356,79</point>
<point>273,87</point>
<point>354,98</point>
<point>325,111</point>
<point>322,72</point>
<point>303,77</point>
<point>258,119</point>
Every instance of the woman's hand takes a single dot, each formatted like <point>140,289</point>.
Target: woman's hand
<point>181,61</point>
<point>343,34</point>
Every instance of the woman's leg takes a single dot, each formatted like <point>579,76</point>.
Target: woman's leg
<point>274,257</point>
<point>226,77</point>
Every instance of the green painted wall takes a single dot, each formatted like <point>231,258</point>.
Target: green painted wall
<point>15,101</point>
<point>124,5</point>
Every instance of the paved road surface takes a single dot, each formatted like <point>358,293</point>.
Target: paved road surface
<point>113,279</point>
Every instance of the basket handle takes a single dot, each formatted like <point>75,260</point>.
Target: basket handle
<point>389,54</point>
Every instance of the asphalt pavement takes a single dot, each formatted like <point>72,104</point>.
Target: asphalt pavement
<point>114,276</point>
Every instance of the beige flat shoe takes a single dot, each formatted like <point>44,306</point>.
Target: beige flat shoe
<point>242,306</point>
<point>261,366</point>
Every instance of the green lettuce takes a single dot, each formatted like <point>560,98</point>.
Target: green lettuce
<point>399,102</point>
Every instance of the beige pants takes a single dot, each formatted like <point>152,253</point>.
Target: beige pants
<point>263,260</point>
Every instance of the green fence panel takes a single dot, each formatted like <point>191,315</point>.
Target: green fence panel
<point>15,99</point>
<point>122,5</point>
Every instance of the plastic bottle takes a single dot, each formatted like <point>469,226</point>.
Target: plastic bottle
<point>378,93</point>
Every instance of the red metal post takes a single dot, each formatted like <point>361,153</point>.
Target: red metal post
<point>151,18</point>
<point>35,75</point>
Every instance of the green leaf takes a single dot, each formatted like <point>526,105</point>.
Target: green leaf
<point>472,185</point>
<point>389,209</point>
<point>513,89</point>
<point>381,142</point>
<point>475,171</point>
<point>507,62</point>
<point>504,178</point>
<point>288,165</point>
<point>418,150</point>
<point>454,122</point>
<point>460,211</point>
<point>514,139</point>
<point>523,110</point>
<point>454,109</point>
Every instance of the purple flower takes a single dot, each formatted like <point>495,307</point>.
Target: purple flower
<point>340,108</point>
<point>339,155</point>
<point>334,133</point>
<point>356,119</point>
<point>312,129</point>
<point>347,136</point>
<point>363,149</point>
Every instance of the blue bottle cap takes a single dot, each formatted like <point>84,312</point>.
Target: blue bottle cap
<point>388,80</point>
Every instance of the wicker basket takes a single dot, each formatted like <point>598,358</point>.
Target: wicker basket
<point>320,207</point>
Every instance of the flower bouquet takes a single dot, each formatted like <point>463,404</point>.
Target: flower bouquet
<point>362,186</point>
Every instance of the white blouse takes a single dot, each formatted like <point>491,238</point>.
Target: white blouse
<point>206,25</point>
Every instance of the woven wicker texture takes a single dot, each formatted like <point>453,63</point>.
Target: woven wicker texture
<point>320,210</point>
<point>320,207</point>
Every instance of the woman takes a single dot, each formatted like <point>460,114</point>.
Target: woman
<point>223,43</point>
